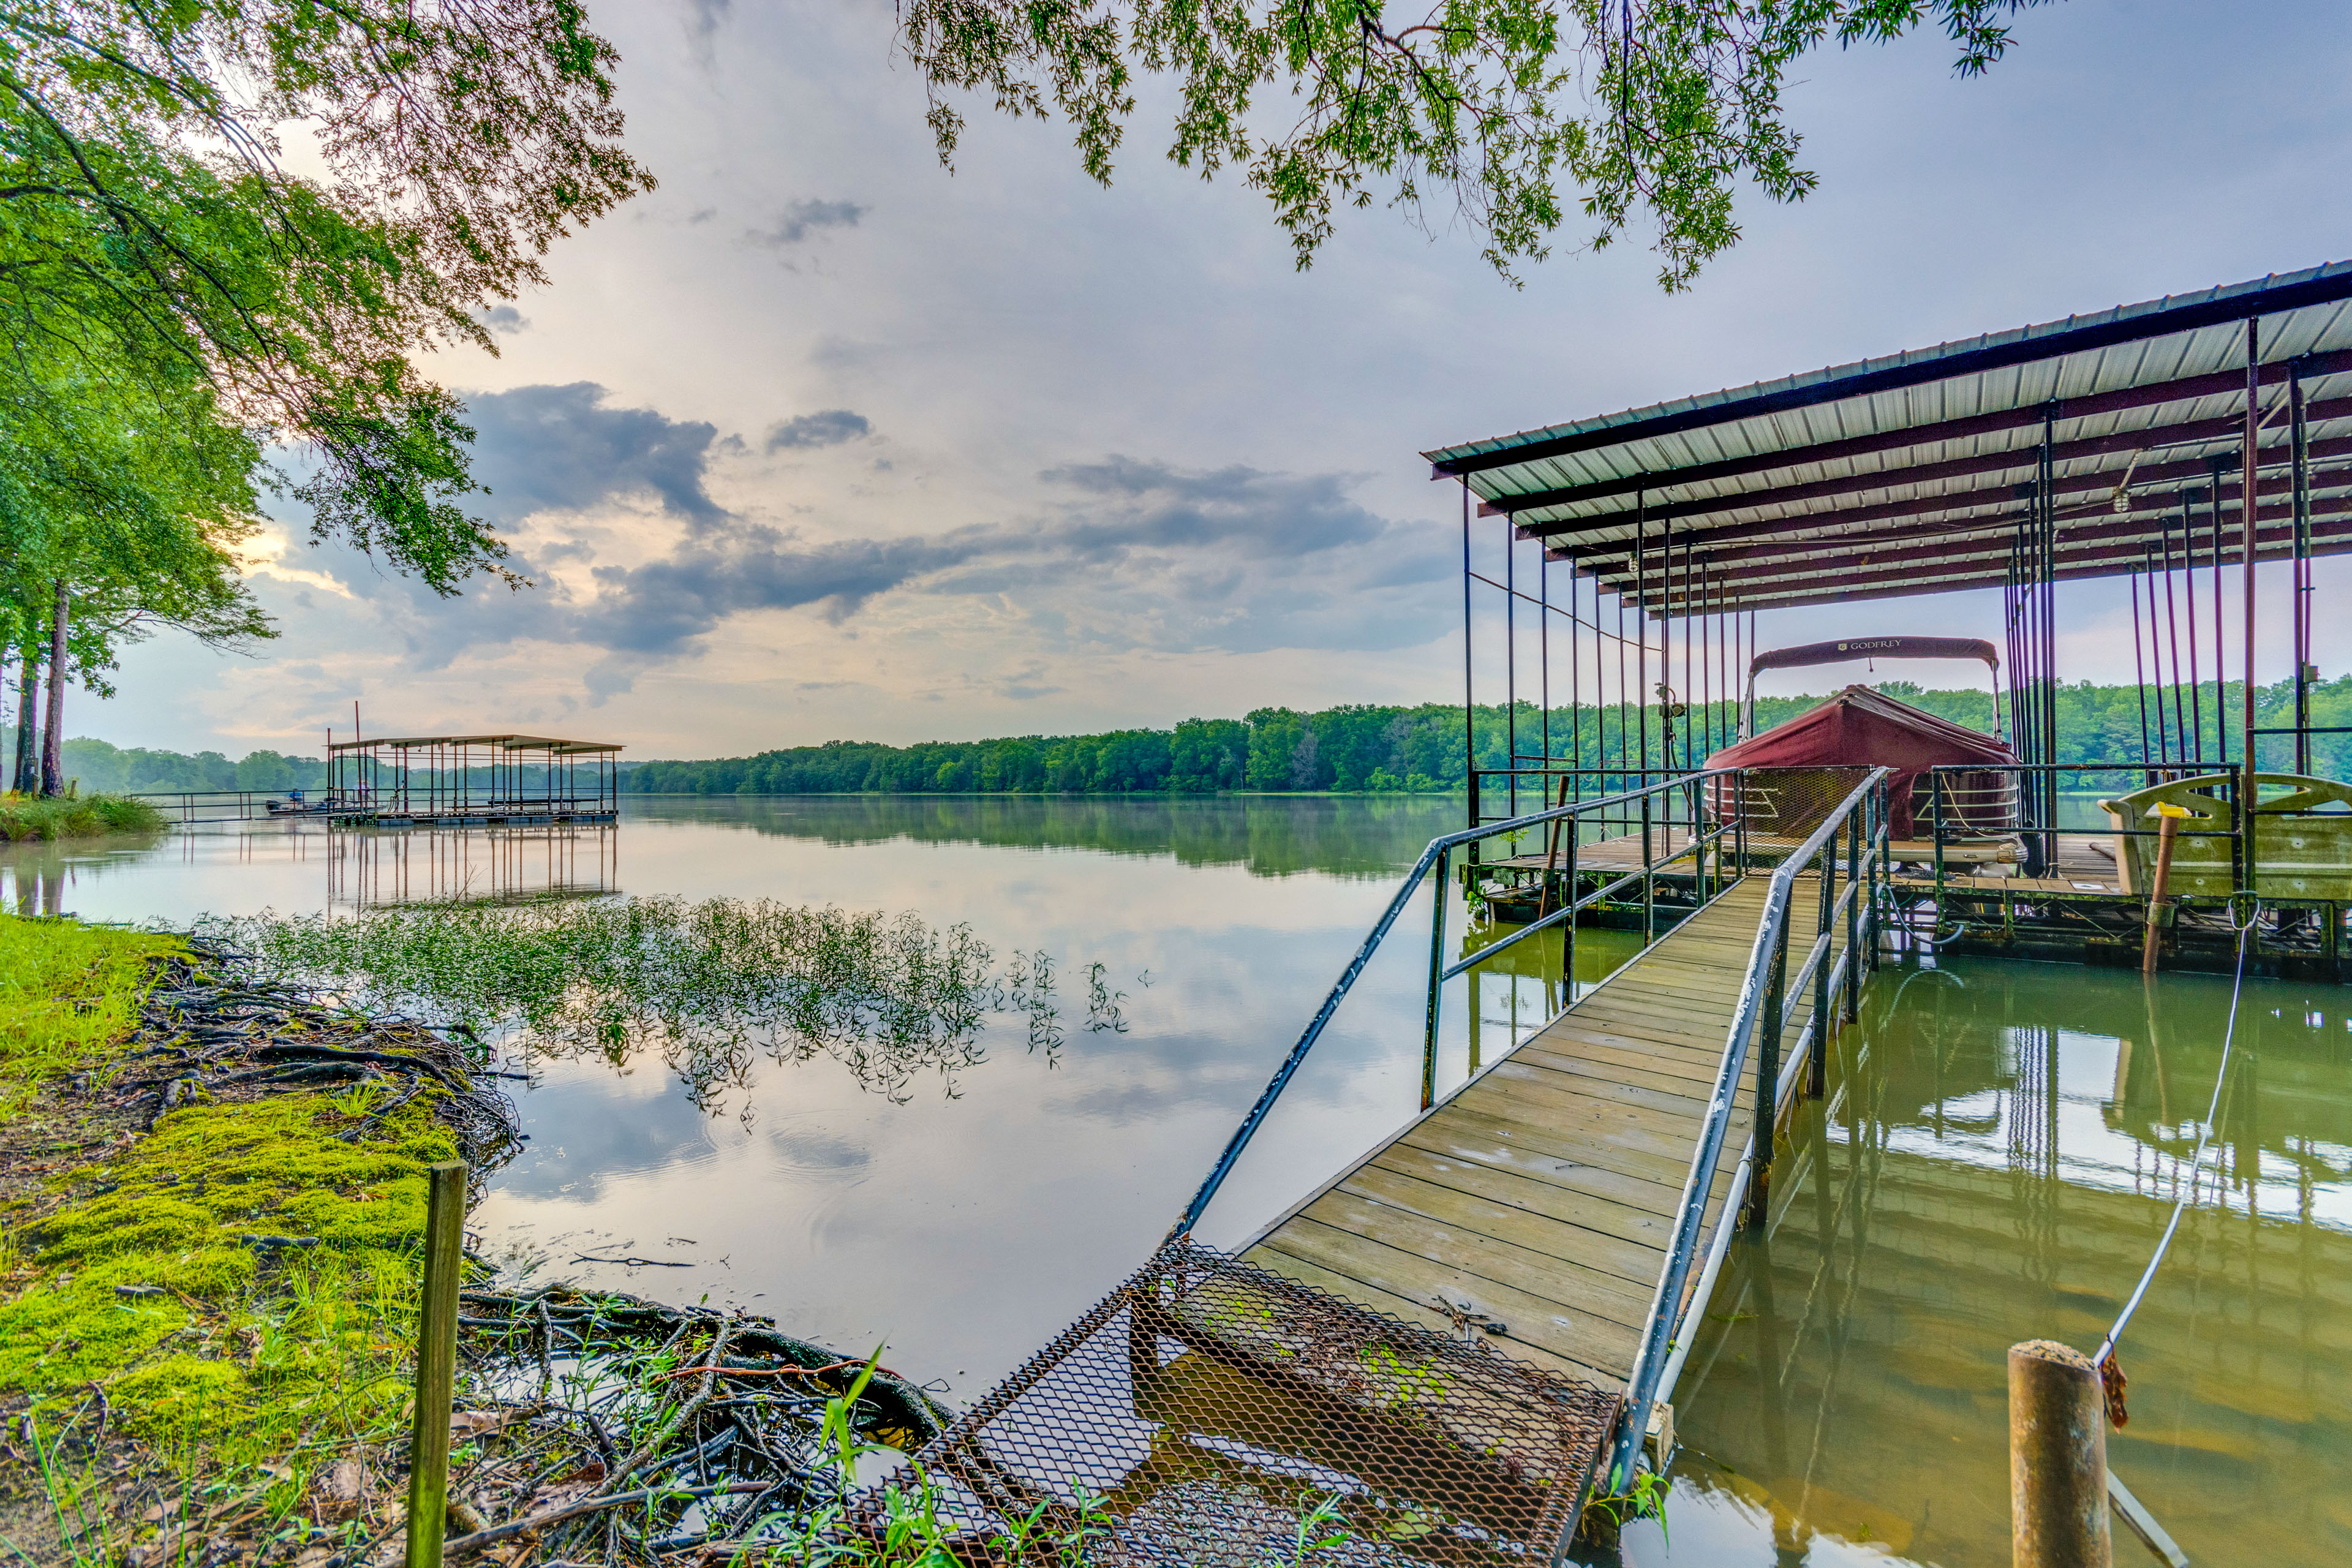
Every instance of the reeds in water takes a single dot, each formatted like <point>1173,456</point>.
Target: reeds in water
<point>712,986</point>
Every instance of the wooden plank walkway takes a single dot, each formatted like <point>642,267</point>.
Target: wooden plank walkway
<point>1541,1194</point>
<point>2085,864</point>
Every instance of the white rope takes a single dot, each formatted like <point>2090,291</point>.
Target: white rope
<point>2205,1132</point>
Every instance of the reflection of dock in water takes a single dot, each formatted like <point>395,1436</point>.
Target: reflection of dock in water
<point>1949,1197</point>
<point>369,870</point>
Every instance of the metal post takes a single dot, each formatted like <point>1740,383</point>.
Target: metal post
<point>2050,636</point>
<point>2220,676</point>
<point>1854,915</point>
<point>1740,833</point>
<point>1543,655</point>
<point>1575,680</point>
<point>2057,1459</point>
<point>1469,709</point>
<point>1641,658</point>
<point>2182,741</point>
<point>437,1362</point>
<point>1649,888</point>
<point>2247,502</point>
<point>1817,1064</point>
<point>1436,968</point>
<point>2139,674</point>
<point>1878,885</point>
<point>1511,659</point>
<point>1768,1079</point>
<point>1568,922</point>
<point>2299,438</point>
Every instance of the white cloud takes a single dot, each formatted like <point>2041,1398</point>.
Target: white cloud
<point>1270,535</point>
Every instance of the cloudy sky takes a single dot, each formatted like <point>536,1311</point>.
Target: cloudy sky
<point>819,440</point>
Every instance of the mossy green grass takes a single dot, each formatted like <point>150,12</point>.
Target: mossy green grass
<point>237,1281</point>
<point>25,817</point>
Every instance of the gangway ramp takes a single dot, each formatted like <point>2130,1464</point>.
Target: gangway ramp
<point>1541,1194</point>
<point>1578,1192</point>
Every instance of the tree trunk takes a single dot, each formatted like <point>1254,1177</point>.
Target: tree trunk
<point>28,701</point>
<point>53,759</point>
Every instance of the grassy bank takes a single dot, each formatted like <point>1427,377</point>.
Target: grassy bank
<point>207,1294</point>
<point>205,1287</point>
<point>25,817</point>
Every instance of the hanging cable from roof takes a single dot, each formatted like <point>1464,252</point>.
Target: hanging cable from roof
<point>2104,1359</point>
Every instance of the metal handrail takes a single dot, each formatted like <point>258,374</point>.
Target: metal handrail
<point>1439,850</point>
<point>1760,991</point>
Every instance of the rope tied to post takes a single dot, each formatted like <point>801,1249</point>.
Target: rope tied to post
<point>2110,1376</point>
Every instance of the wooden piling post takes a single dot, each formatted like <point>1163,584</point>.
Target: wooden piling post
<point>2168,823</point>
<point>436,1362</point>
<point>2057,1459</point>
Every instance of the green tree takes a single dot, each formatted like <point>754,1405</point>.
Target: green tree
<point>1510,110</point>
<point>146,219</point>
<point>120,501</point>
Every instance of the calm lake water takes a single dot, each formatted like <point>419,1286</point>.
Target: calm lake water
<point>1999,1150</point>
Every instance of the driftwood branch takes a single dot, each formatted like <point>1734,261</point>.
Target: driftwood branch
<point>467,1545</point>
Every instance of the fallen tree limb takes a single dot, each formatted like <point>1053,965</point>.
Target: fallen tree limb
<point>467,1545</point>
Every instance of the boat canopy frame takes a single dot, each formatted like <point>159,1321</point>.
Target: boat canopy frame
<point>1847,650</point>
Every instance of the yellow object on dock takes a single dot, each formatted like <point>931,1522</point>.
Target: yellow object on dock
<point>2301,849</point>
<point>1541,1194</point>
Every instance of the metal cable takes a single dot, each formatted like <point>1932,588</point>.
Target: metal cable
<point>2204,1135</point>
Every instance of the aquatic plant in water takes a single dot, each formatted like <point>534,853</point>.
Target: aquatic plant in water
<point>712,986</point>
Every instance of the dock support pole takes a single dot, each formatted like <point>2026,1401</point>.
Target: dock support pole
<point>2153,941</point>
<point>1855,890</point>
<point>1436,981</point>
<point>1768,1079</point>
<point>1567,924</point>
<point>2057,1459</point>
<point>1817,1055</point>
<point>437,1362</point>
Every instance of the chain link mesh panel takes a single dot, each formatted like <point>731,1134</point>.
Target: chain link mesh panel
<point>1782,803</point>
<point>1201,1412</point>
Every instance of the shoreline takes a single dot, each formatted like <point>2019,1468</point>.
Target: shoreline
<point>50,819</point>
<point>211,1218</point>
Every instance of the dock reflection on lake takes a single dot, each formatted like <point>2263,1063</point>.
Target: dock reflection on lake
<point>1997,1157</point>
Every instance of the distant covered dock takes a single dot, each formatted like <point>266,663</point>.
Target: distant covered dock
<point>397,781</point>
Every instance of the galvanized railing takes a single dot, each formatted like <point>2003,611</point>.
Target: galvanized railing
<point>1711,871</point>
<point>189,806</point>
<point>1846,856</point>
<point>1857,827</point>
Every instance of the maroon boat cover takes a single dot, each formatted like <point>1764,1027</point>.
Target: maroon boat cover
<point>1862,727</point>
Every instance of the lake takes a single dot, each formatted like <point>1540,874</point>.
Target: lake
<point>2000,1147</point>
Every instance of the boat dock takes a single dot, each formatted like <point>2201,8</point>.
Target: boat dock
<point>1470,1330</point>
<point>1542,1195</point>
<point>2083,864</point>
<point>431,780</point>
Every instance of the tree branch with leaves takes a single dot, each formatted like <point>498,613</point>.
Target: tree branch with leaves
<point>146,217</point>
<point>1513,110</point>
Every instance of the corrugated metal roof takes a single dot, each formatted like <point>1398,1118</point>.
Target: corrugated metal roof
<point>1765,486</point>
<point>507,742</point>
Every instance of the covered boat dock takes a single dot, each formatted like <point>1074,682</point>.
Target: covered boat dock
<point>507,780</point>
<point>1636,550</point>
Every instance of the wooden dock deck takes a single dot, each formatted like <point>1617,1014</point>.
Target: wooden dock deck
<point>1542,1194</point>
<point>2085,864</point>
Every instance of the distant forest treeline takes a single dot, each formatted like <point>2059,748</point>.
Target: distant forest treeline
<point>1379,748</point>
<point>1358,747</point>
